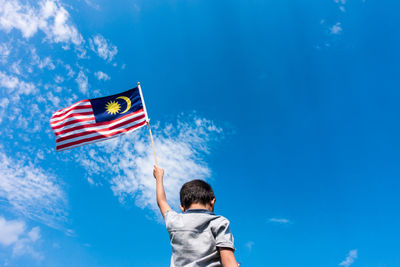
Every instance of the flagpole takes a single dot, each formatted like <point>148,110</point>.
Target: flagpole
<point>148,124</point>
<point>152,142</point>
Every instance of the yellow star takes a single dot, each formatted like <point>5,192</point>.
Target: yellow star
<point>113,107</point>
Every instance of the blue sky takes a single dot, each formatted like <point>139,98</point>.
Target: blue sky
<point>288,108</point>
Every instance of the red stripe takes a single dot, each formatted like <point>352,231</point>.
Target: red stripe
<point>78,107</point>
<point>65,109</point>
<point>82,141</point>
<point>73,115</point>
<point>96,124</point>
<point>94,131</point>
<point>71,122</point>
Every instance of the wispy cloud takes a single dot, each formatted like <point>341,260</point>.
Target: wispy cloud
<point>70,71</point>
<point>58,79</point>
<point>181,149</point>
<point>16,90</point>
<point>341,4</point>
<point>42,63</point>
<point>103,47</point>
<point>49,16</point>
<point>333,27</point>
<point>250,245</point>
<point>31,191</point>
<point>5,51</point>
<point>14,234</point>
<point>353,254</point>
<point>101,76</point>
<point>15,86</point>
<point>4,102</point>
<point>92,4</point>
<point>336,29</point>
<point>82,81</point>
<point>279,220</point>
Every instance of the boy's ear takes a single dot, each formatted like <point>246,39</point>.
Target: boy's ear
<point>213,202</point>
<point>182,208</point>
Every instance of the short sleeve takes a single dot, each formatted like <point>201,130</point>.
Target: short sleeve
<point>172,219</point>
<point>223,235</point>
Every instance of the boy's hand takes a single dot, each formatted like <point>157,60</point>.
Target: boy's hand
<point>158,172</point>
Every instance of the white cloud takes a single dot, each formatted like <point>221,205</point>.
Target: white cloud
<point>10,231</point>
<point>181,148</point>
<point>70,71</point>
<point>101,76</point>
<point>47,62</point>
<point>25,245</point>
<point>5,51</point>
<point>15,15</point>
<point>250,245</point>
<point>279,220</point>
<point>34,234</point>
<point>50,17</point>
<point>55,100</point>
<point>17,91</point>
<point>32,192</point>
<point>15,86</point>
<point>42,63</point>
<point>3,106</point>
<point>353,254</point>
<point>16,67</point>
<point>13,233</point>
<point>93,5</point>
<point>82,81</point>
<point>341,4</point>
<point>336,29</point>
<point>58,79</point>
<point>103,48</point>
<point>40,154</point>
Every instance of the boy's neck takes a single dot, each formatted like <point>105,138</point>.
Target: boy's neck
<point>199,206</point>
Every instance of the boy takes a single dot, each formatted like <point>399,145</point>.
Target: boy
<point>198,237</point>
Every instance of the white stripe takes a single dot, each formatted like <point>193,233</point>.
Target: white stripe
<point>98,133</point>
<point>71,119</point>
<point>100,127</point>
<point>99,140</point>
<point>61,111</point>
<point>143,104</point>
<point>73,125</point>
<point>94,141</point>
<point>72,111</point>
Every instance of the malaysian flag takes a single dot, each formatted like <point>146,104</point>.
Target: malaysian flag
<point>94,120</point>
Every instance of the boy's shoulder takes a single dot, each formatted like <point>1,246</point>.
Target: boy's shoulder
<point>193,219</point>
<point>194,213</point>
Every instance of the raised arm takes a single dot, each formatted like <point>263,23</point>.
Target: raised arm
<point>160,192</point>
<point>228,258</point>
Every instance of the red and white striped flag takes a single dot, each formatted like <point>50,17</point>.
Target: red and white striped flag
<point>98,119</point>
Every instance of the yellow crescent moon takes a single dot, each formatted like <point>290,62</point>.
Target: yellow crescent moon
<point>128,102</point>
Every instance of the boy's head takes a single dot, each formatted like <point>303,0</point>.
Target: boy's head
<point>197,194</point>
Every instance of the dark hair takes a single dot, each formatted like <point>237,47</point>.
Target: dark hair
<point>196,191</point>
